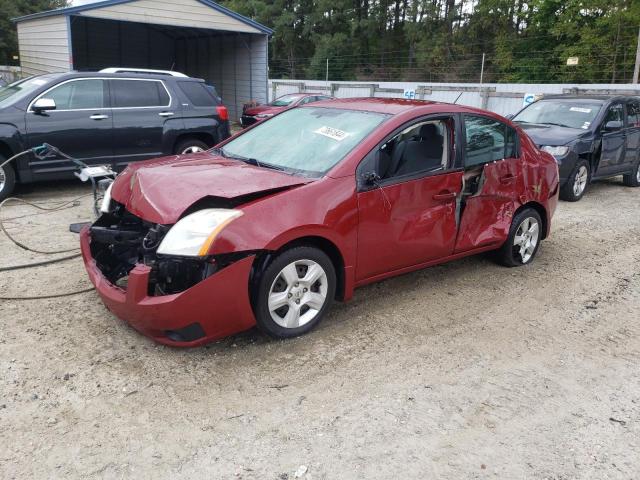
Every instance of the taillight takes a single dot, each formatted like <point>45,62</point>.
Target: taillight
<point>223,113</point>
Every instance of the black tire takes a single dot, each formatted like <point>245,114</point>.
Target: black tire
<point>9,175</point>
<point>567,192</point>
<point>509,254</point>
<point>633,179</point>
<point>188,143</point>
<point>272,277</point>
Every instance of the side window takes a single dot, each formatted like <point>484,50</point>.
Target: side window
<point>488,140</point>
<point>306,100</point>
<point>198,93</point>
<point>420,148</point>
<point>78,94</point>
<point>614,114</point>
<point>139,93</point>
<point>633,114</point>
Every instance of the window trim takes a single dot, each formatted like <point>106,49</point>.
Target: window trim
<point>108,85</point>
<point>452,155</point>
<point>463,127</point>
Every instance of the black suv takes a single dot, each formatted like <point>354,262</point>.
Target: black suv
<point>591,137</point>
<point>104,118</point>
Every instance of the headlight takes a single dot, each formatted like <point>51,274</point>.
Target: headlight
<point>193,235</point>
<point>264,115</point>
<point>555,151</point>
<point>106,200</point>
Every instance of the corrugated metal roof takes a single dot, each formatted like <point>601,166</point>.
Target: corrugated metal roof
<point>106,3</point>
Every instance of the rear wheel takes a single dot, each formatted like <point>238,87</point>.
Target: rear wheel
<point>524,239</point>
<point>7,180</point>
<point>577,183</point>
<point>633,179</point>
<point>295,292</point>
<point>191,145</point>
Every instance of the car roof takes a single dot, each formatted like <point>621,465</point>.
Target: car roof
<point>577,98</point>
<point>392,106</point>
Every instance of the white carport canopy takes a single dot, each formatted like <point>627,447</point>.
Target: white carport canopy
<point>196,37</point>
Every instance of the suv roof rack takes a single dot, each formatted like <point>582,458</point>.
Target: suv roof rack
<point>142,70</point>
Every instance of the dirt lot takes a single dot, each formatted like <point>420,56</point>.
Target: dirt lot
<point>467,370</point>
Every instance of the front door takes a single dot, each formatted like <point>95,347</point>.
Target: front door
<point>80,126</point>
<point>407,207</point>
<point>140,110</point>
<point>492,176</point>
<point>613,151</point>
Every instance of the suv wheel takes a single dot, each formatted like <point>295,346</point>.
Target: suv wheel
<point>633,179</point>
<point>295,292</point>
<point>191,145</point>
<point>7,180</point>
<point>577,183</point>
<point>524,239</point>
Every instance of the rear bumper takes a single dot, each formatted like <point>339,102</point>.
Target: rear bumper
<point>219,304</point>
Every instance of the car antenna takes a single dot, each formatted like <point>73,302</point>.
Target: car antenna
<point>457,98</point>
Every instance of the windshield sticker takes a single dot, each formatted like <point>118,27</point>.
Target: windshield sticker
<point>586,125</point>
<point>580,109</point>
<point>333,133</point>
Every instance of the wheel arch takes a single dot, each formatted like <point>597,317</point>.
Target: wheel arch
<point>542,211</point>
<point>321,243</point>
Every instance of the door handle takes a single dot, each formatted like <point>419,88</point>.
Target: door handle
<point>444,196</point>
<point>98,116</point>
<point>507,178</point>
<point>166,114</point>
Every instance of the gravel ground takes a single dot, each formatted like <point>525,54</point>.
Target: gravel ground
<point>467,370</point>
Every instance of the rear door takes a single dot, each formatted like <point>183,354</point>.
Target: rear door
<point>80,126</point>
<point>633,132</point>
<point>141,107</point>
<point>493,176</point>
<point>613,151</point>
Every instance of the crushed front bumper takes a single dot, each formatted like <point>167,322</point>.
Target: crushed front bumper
<point>214,308</point>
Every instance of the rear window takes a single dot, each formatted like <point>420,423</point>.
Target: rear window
<point>139,93</point>
<point>198,94</point>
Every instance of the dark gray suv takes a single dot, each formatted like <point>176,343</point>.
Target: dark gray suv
<point>104,118</point>
<point>591,137</point>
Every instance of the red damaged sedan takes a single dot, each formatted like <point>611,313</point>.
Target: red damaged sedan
<point>262,112</point>
<point>281,220</point>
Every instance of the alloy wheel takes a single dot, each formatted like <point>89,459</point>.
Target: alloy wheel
<point>192,149</point>
<point>526,238</point>
<point>298,293</point>
<point>3,179</point>
<point>637,173</point>
<point>580,182</point>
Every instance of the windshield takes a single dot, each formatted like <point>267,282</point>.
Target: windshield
<point>19,89</point>
<point>285,100</point>
<point>305,140</point>
<point>556,112</point>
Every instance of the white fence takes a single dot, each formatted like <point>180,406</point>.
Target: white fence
<point>10,74</point>
<point>502,98</point>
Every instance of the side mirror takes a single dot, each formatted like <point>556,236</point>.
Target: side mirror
<point>43,104</point>
<point>613,125</point>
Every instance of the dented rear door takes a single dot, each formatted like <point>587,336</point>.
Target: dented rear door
<point>493,177</point>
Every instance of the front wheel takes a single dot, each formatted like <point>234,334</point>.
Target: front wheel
<point>524,239</point>
<point>633,179</point>
<point>577,182</point>
<point>295,292</point>
<point>7,180</point>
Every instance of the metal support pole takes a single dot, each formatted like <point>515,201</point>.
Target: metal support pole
<point>326,77</point>
<point>636,70</point>
<point>482,69</point>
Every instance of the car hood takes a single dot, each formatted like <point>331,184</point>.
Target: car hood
<point>551,134</point>
<point>160,190</point>
<point>263,109</point>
